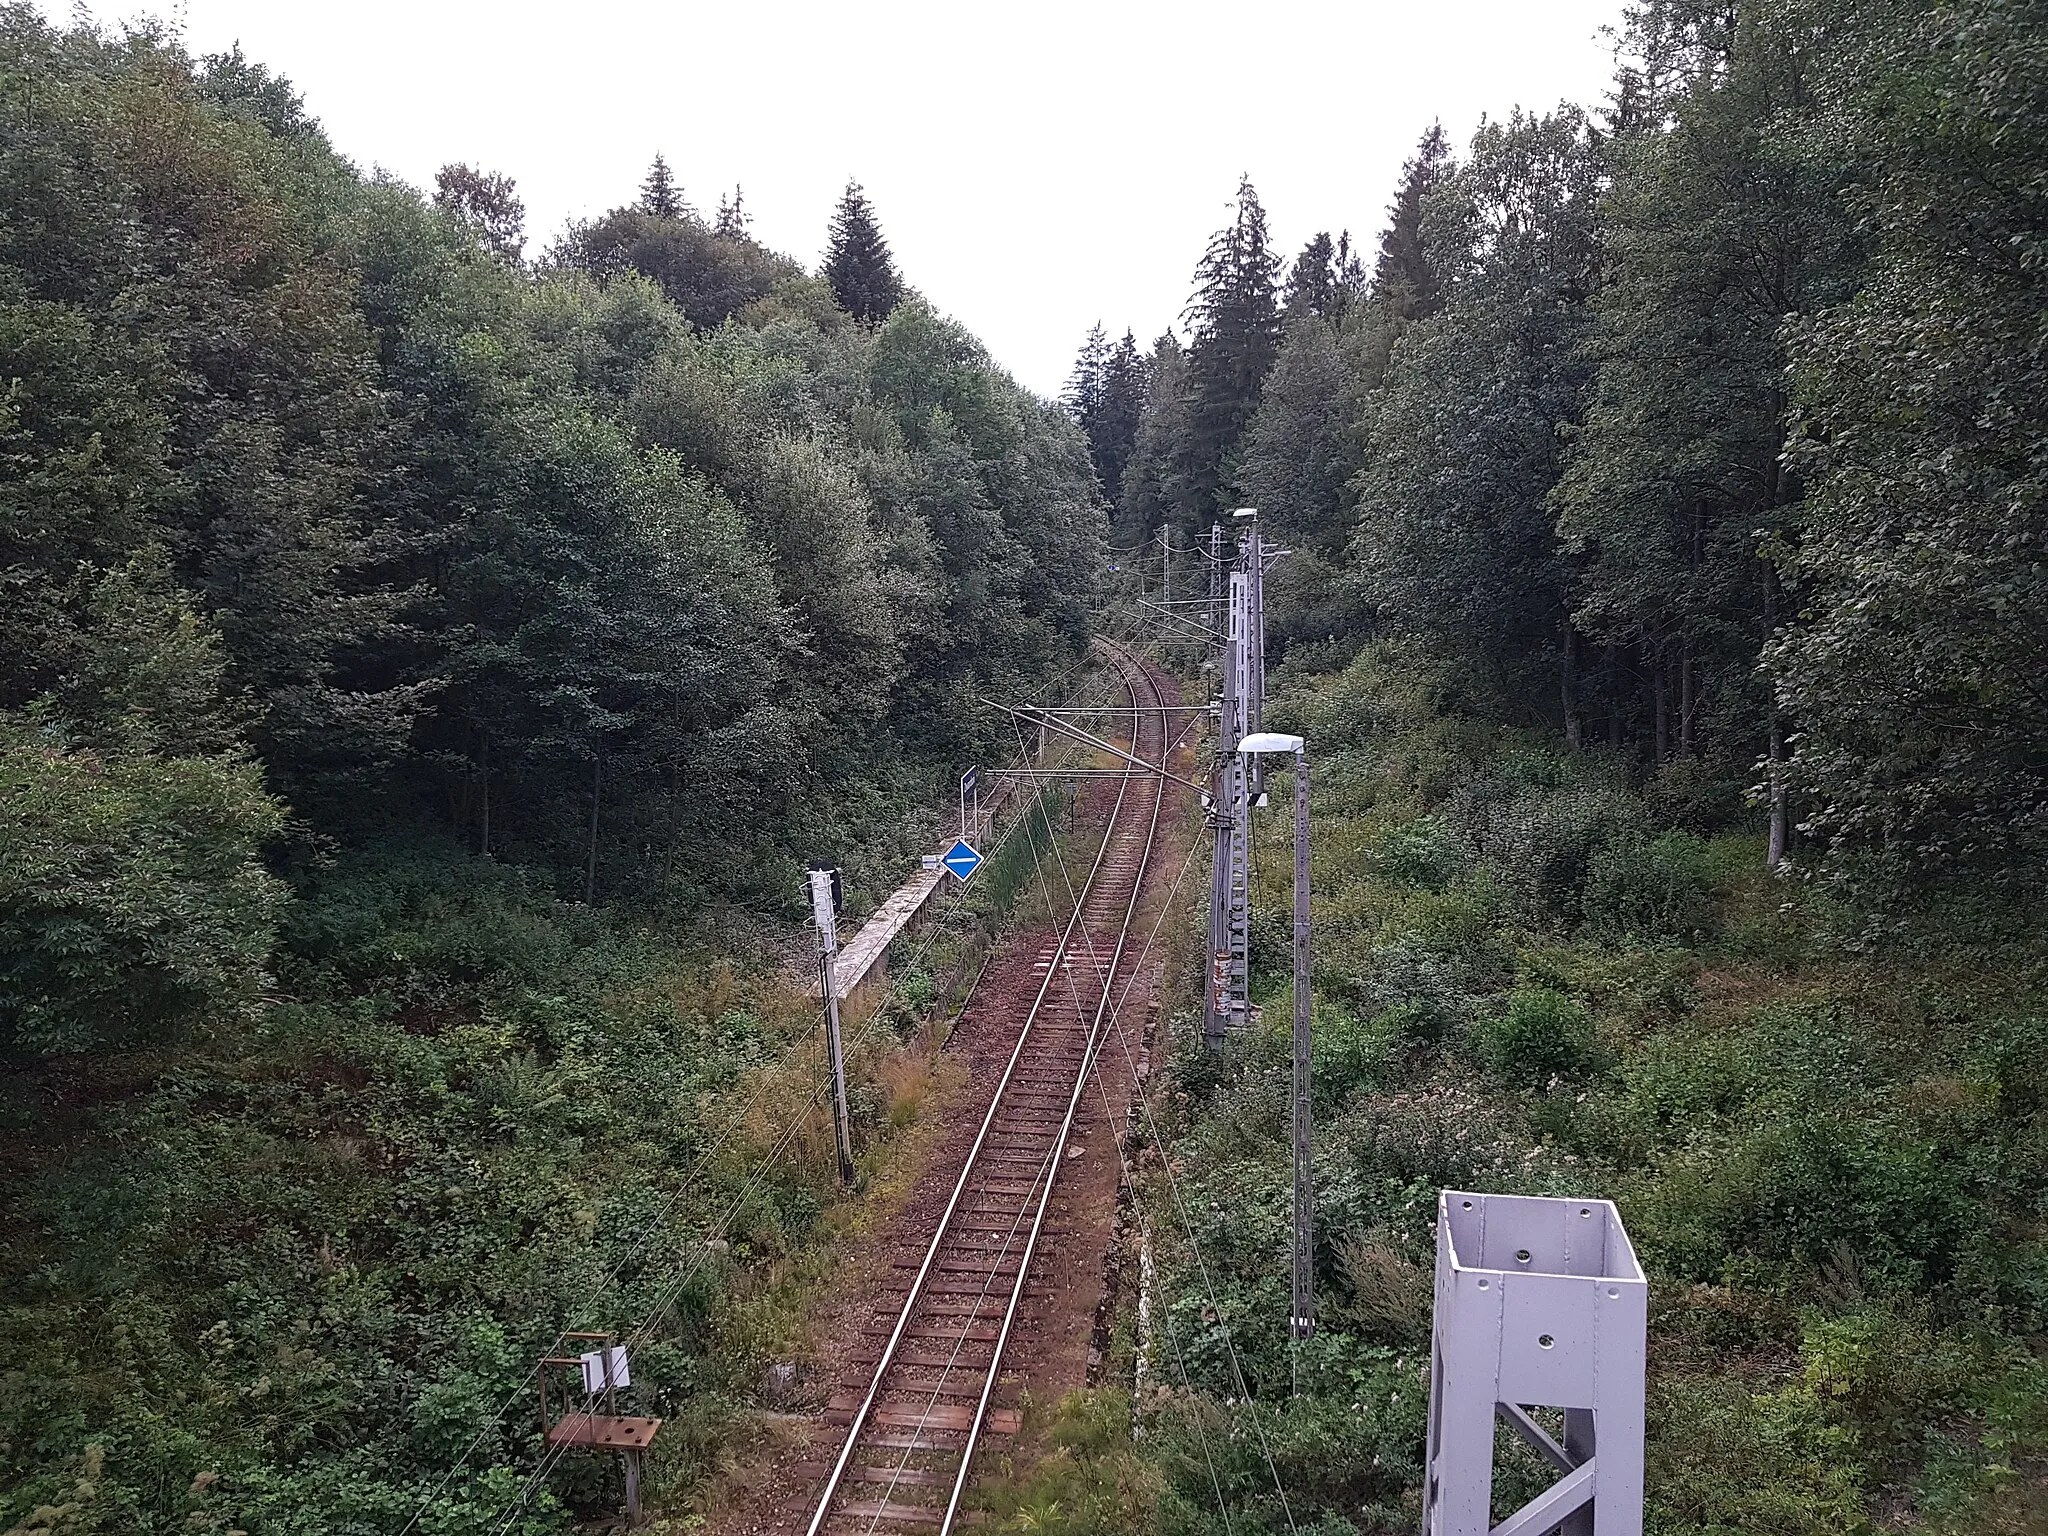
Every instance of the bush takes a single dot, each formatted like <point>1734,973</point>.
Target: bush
<point>1542,841</point>
<point>1651,888</point>
<point>1539,1035</point>
<point>132,899</point>
<point>1425,852</point>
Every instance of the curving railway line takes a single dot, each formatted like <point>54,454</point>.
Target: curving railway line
<point>939,1339</point>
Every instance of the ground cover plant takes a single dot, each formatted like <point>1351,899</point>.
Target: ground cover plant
<point>1532,977</point>
<point>428,664</point>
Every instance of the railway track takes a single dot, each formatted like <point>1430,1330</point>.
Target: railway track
<point>938,1337</point>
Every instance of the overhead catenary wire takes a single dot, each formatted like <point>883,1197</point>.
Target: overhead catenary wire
<point>1208,1285</point>
<point>654,1224</point>
<point>553,1454</point>
<point>838,1470</point>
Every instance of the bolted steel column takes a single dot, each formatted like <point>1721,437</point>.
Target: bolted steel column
<point>1251,546</point>
<point>1540,1302</point>
<point>1227,772</point>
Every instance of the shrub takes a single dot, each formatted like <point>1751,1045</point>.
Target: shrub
<point>1654,888</point>
<point>1686,794</point>
<point>132,899</point>
<point>1542,842</point>
<point>1425,852</point>
<point>1540,1034</point>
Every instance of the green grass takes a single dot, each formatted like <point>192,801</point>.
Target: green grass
<point>280,1279</point>
<point>1535,973</point>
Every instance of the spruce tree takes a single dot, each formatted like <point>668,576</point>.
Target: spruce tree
<point>660,197</point>
<point>1404,278</point>
<point>1325,278</point>
<point>1113,434</point>
<point>1083,393</point>
<point>733,218</point>
<point>857,261</point>
<point>1106,395</point>
<point>1235,317</point>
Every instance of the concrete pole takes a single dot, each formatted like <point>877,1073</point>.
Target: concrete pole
<point>828,956</point>
<point>1303,1320</point>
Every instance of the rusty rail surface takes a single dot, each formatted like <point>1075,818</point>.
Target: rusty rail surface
<point>910,1439</point>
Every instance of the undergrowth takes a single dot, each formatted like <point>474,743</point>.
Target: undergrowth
<point>1537,973</point>
<point>285,1278</point>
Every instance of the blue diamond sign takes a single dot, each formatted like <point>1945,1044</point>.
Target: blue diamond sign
<point>961,859</point>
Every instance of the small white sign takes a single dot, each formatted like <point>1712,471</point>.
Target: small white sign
<point>821,907</point>
<point>593,1369</point>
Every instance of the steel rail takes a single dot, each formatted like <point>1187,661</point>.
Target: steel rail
<point>837,1475</point>
<point>1081,1076</point>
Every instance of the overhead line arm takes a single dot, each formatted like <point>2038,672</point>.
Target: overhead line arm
<point>1087,739</point>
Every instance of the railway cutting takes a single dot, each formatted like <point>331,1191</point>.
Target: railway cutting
<point>994,1272</point>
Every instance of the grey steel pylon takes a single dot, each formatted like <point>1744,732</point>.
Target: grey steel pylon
<point>1540,1303</point>
<point>1229,981</point>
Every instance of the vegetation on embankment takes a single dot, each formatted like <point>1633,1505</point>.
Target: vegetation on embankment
<point>1539,971</point>
<point>1665,498</point>
<point>424,670</point>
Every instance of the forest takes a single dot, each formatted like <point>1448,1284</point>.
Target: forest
<point>412,642</point>
<point>1665,492</point>
<point>429,663</point>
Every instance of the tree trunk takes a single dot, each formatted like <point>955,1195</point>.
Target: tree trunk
<point>596,802</point>
<point>1774,849</point>
<point>668,853</point>
<point>1568,686</point>
<point>1687,702</point>
<point>1613,695</point>
<point>1660,703</point>
<point>486,811</point>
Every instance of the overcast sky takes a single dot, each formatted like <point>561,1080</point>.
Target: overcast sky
<point>1036,166</point>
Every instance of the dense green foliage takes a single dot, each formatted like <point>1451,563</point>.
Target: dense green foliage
<point>634,568</point>
<point>1531,977</point>
<point>1667,515</point>
<point>1708,428</point>
<point>416,664</point>
<point>425,665</point>
<point>857,262</point>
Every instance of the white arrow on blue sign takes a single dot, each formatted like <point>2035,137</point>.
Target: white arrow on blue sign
<point>961,859</point>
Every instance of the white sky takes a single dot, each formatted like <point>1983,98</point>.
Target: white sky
<point>1035,167</point>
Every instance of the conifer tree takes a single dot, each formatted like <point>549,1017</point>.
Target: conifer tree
<point>1106,395</point>
<point>1312,283</point>
<point>733,217</point>
<point>1083,393</point>
<point>1113,433</point>
<point>1151,492</point>
<point>1404,277</point>
<point>857,261</point>
<point>1235,317</point>
<point>660,197</point>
